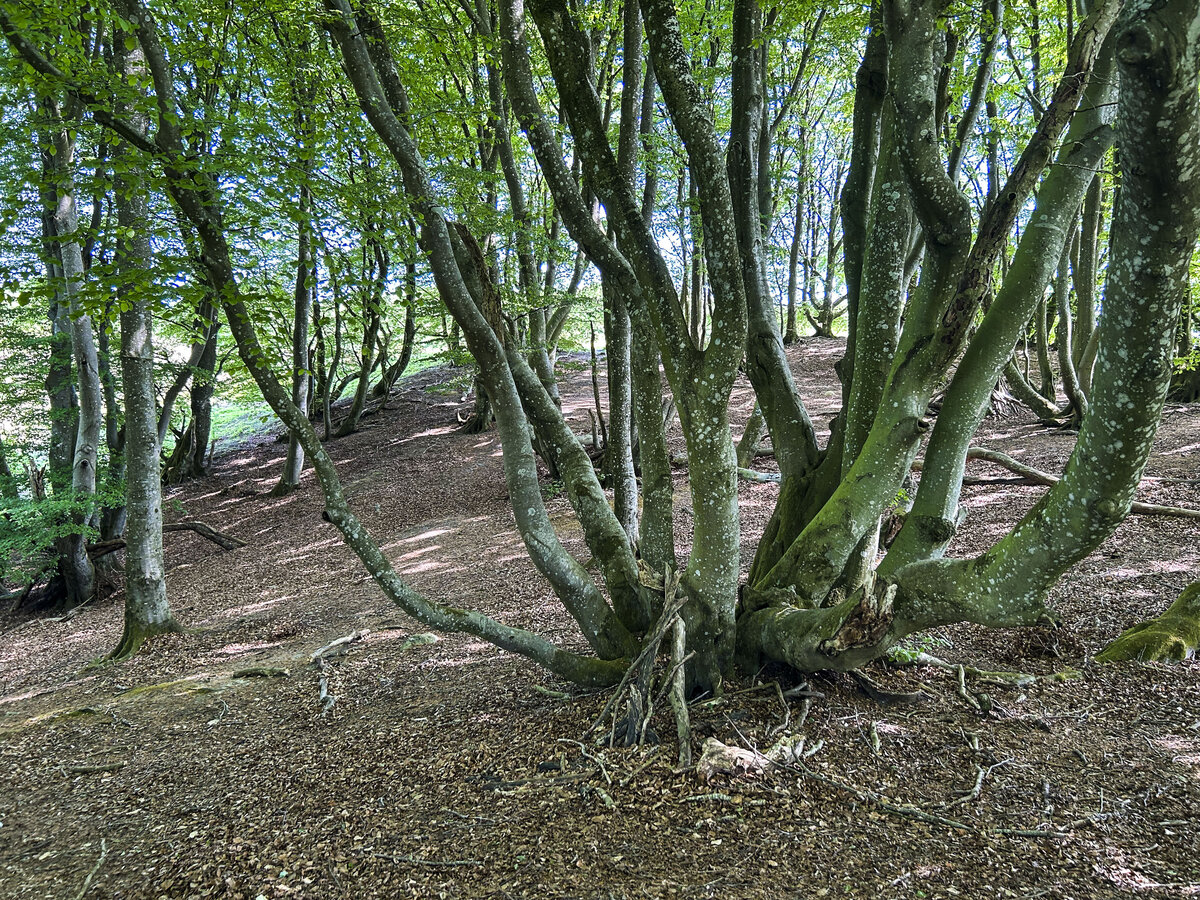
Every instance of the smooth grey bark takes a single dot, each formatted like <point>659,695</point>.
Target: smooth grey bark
<point>871,85</point>
<point>64,409</point>
<point>618,452</point>
<point>657,538</point>
<point>603,531</point>
<point>790,335</point>
<point>882,294</point>
<point>767,366</point>
<point>1084,273</point>
<point>1076,399</point>
<point>112,515</point>
<point>302,303</point>
<point>147,611</point>
<point>74,564</point>
<point>618,455</point>
<point>934,516</point>
<point>1042,321</point>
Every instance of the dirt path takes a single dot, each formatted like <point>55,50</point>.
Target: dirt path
<point>445,769</point>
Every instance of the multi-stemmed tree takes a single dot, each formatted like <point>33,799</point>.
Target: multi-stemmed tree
<point>936,297</point>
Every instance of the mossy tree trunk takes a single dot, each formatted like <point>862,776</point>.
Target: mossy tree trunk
<point>1172,636</point>
<point>1153,236</point>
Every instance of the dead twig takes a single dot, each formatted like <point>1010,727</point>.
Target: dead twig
<point>974,792</point>
<point>683,725</point>
<point>340,645</point>
<point>787,713</point>
<point>641,706</point>
<point>327,699</point>
<point>912,812</point>
<point>597,760</point>
<point>87,882</point>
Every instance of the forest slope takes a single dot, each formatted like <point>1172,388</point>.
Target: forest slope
<point>449,768</point>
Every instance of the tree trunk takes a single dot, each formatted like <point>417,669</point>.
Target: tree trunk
<point>74,565</point>
<point>372,310</point>
<point>302,296</point>
<point>146,609</point>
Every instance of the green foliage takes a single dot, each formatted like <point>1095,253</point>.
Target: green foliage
<point>234,422</point>
<point>553,489</point>
<point>29,529</point>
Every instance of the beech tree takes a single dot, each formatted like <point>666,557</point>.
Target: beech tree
<point>937,296</point>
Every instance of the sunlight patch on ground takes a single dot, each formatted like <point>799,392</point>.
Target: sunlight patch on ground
<point>241,649</point>
<point>1190,448</point>
<point>426,535</point>
<point>236,612</point>
<point>1125,873</point>
<point>420,551</point>
<point>428,566</point>
<point>1183,750</point>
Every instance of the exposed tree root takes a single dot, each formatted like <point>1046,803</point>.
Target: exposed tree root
<point>134,635</point>
<point>87,882</point>
<point>1173,636</point>
<point>902,656</point>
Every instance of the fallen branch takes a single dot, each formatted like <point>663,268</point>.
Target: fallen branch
<point>341,645</point>
<point>761,477</point>
<point>222,540</point>
<point>1035,476</point>
<point>974,792</point>
<point>885,697</point>
<point>261,672</point>
<point>319,660</point>
<point>683,726</point>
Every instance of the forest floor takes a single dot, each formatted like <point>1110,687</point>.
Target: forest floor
<point>448,768</point>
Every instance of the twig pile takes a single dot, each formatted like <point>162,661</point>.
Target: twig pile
<point>642,693</point>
